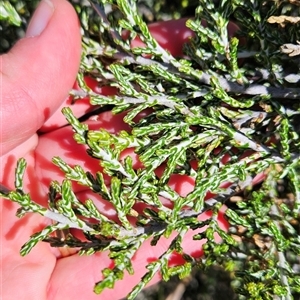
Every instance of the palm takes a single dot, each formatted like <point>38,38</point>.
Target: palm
<point>44,273</point>
<point>53,276</point>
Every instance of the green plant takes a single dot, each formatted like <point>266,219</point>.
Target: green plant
<point>204,108</point>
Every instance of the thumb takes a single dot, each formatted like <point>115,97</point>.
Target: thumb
<point>38,72</point>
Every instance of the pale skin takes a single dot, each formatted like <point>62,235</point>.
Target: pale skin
<point>33,89</point>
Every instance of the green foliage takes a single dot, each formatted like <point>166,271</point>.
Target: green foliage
<point>9,14</point>
<point>14,17</point>
<point>203,108</point>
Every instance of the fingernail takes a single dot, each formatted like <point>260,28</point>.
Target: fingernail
<point>40,19</point>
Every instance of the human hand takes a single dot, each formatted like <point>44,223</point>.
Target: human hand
<point>34,87</point>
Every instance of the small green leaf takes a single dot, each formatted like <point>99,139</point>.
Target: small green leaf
<point>9,13</point>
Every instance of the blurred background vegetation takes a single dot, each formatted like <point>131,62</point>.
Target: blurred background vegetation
<point>151,10</point>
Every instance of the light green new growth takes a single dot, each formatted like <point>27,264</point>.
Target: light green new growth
<point>9,13</point>
<point>201,109</point>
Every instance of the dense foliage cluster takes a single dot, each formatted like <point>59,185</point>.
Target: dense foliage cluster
<point>222,99</point>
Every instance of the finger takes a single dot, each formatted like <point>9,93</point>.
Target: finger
<point>39,71</point>
<point>79,107</point>
<point>171,35</point>
<point>8,162</point>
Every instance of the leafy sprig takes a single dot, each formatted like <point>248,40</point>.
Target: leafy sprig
<point>203,109</point>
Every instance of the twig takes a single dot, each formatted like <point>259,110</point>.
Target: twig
<point>227,85</point>
<point>180,289</point>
